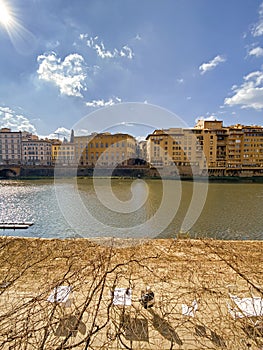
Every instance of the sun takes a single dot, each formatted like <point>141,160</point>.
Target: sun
<point>5,14</point>
<point>10,19</point>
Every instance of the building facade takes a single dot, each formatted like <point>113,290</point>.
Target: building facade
<point>174,146</point>
<point>208,145</point>
<point>212,137</point>
<point>107,149</point>
<point>63,153</point>
<point>10,146</point>
<point>81,150</point>
<point>36,152</point>
<point>230,147</point>
<point>245,146</point>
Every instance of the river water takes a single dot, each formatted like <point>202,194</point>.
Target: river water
<point>127,208</point>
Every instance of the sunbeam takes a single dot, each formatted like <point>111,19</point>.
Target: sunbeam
<point>22,39</point>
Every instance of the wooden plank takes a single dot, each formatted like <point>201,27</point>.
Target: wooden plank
<point>15,225</point>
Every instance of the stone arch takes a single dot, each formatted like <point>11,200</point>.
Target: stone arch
<point>7,173</point>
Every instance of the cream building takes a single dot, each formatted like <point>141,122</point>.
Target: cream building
<point>81,149</point>
<point>36,152</point>
<point>10,146</point>
<point>63,153</point>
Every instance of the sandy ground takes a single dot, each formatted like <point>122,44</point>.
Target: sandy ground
<point>178,272</point>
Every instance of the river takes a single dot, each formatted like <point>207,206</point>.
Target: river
<point>127,208</point>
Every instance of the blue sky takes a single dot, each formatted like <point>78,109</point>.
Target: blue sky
<point>61,60</point>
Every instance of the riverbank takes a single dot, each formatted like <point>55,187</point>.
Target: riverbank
<point>178,271</point>
<point>178,172</point>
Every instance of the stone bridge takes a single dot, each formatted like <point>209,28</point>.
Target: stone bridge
<point>9,171</point>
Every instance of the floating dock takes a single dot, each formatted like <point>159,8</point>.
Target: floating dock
<point>15,225</point>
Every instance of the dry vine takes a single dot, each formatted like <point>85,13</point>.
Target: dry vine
<point>179,272</point>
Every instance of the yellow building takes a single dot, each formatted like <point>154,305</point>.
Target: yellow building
<point>233,146</point>
<point>63,153</point>
<point>54,149</point>
<point>177,146</point>
<point>213,138</point>
<point>245,146</point>
<point>230,147</point>
<point>105,149</point>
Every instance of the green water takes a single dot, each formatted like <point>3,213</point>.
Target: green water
<point>126,208</point>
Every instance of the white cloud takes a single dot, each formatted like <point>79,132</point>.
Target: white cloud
<point>257,29</point>
<point>69,75</point>
<point>81,132</point>
<point>98,45</point>
<point>256,51</point>
<point>249,94</point>
<point>16,122</point>
<point>205,67</point>
<point>210,118</point>
<point>103,103</point>
<point>180,81</point>
<point>126,51</point>
<point>60,133</point>
<point>140,138</point>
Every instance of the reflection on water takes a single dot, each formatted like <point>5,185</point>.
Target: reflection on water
<point>232,211</point>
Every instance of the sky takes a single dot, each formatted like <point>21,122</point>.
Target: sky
<point>63,60</point>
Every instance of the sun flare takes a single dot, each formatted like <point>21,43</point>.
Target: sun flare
<point>5,14</point>
<point>11,20</point>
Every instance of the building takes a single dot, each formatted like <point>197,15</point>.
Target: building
<point>55,143</point>
<point>10,146</point>
<point>107,149</point>
<point>63,153</point>
<point>142,151</point>
<point>36,152</point>
<point>81,150</point>
<point>245,146</point>
<point>223,150</point>
<point>233,146</point>
<point>213,138</point>
<point>174,146</point>
<point>230,147</point>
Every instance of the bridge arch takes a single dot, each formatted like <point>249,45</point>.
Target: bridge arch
<point>7,173</point>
